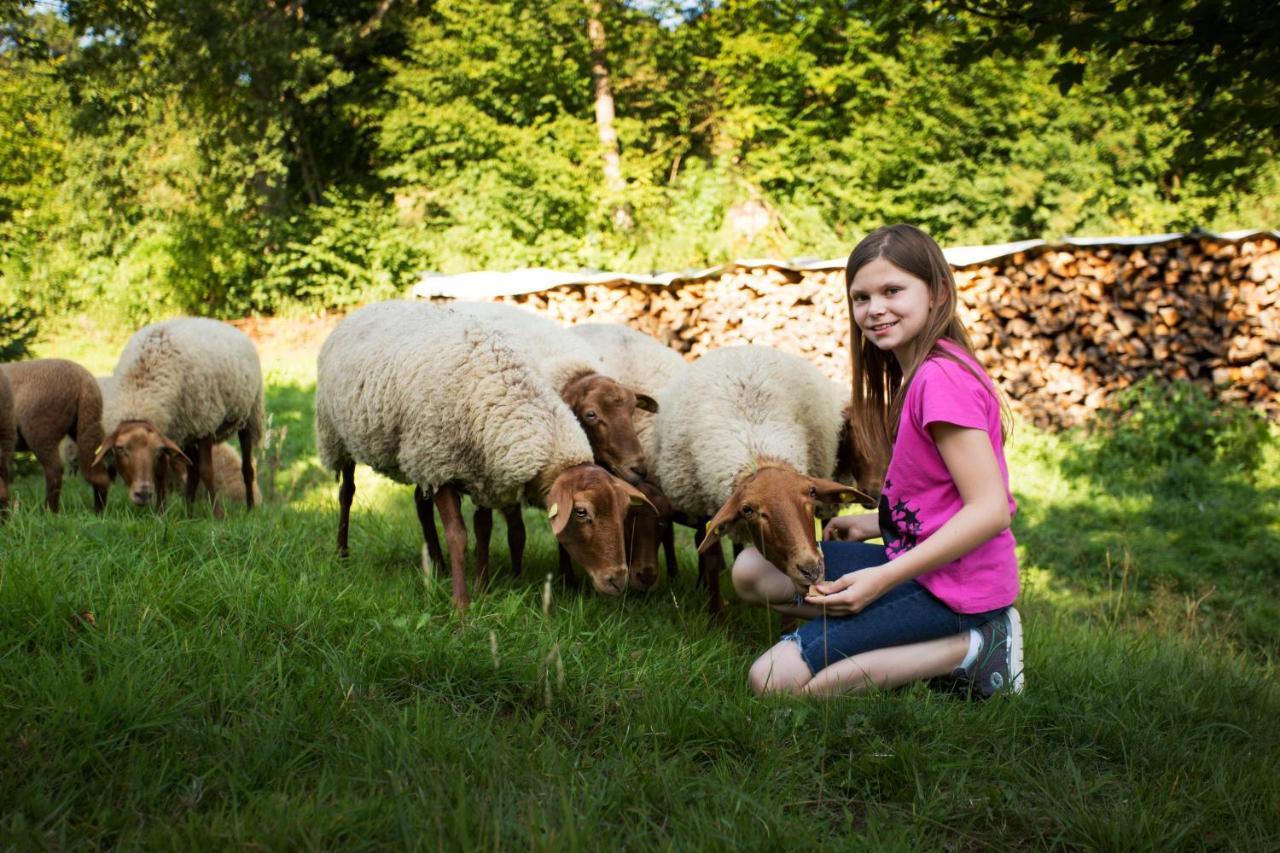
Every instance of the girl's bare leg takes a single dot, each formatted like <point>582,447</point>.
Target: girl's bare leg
<point>758,581</point>
<point>891,667</point>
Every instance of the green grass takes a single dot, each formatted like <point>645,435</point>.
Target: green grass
<point>239,685</point>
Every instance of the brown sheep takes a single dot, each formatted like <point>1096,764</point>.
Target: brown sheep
<point>8,441</point>
<point>53,398</point>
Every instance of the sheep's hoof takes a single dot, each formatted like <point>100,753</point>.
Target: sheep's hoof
<point>428,568</point>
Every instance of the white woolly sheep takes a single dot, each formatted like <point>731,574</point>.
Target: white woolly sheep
<point>54,398</point>
<point>431,397</point>
<point>748,437</point>
<point>180,387</point>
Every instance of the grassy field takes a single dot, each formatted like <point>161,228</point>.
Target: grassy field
<point>176,682</point>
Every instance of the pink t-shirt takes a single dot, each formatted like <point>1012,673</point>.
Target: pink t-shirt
<point>919,495</point>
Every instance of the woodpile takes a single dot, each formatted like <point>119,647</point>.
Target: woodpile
<point>1059,329</point>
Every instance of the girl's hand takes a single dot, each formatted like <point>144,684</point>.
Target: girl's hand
<point>852,528</point>
<point>850,593</point>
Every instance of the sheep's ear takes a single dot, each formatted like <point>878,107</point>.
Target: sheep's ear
<point>715,527</point>
<point>175,451</point>
<point>831,492</point>
<point>107,447</point>
<point>634,495</point>
<point>646,403</point>
<point>560,508</point>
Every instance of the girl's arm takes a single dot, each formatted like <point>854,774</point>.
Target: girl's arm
<point>970,459</point>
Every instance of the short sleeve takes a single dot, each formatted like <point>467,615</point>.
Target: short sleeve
<point>951,394</point>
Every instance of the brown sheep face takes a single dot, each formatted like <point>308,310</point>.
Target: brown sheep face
<point>774,508</point>
<point>588,507</point>
<point>136,450</point>
<point>606,410</point>
<point>644,528</point>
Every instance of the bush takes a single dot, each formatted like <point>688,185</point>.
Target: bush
<point>17,328</point>
<point>1175,433</point>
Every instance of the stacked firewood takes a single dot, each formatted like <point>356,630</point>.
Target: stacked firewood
<point>1059,329</point>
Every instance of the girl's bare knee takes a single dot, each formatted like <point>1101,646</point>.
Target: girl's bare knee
<point>746,573</point>
<point>780,670</point>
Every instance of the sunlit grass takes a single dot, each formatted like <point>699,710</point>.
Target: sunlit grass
<point>175,681</point>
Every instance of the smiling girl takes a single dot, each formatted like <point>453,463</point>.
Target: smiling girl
<point>935,599</point>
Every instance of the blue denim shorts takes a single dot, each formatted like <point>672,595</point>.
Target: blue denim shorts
<point>906,614</point>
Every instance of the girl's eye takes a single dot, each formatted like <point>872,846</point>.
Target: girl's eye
<point>859,297</point>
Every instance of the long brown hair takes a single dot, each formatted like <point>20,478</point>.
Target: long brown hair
<point>879,381</point>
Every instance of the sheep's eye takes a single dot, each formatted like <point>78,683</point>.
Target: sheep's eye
<point>813,491</point>
<point>580,512</point>
<point>747,512</point>
<point>119,452</point>
<point>591,415</point>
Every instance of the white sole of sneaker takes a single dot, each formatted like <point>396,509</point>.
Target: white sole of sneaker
<point>1015,650</point>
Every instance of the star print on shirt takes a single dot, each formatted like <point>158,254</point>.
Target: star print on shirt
<point>900,523</point>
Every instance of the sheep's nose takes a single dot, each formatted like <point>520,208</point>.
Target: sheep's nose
<point>812,574</point>
<point>615,584</point>
<point>640,471</point>
<point>647,579</point>
<point>141,497</point>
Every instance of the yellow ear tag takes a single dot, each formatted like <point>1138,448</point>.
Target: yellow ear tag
<point>97,450</point>
<point>817,529</point>
<point>551,513</point>
<point>636,500</point>
<point>706,531</point>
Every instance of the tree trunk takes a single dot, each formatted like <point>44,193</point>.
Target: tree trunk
<point>604,114</point>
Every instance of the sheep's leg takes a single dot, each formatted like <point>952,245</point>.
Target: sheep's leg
<point>483,521</point>
<point>426,520</point>
<point>162,483</point>
<point>51,462</point>
<point>714,564</point>
<point>246,465</point>
<point>192,452</point>
<point>737,549</point>
<point>700,533</point>
<point>346,492</point>
<point>206,476</point>
<point>515,538</point>
<point>669,549</point>
<point>455,534</point>
<point>97,476</point>
<point>566,570</point>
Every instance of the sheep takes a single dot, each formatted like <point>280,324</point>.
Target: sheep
<point>8,441</point>
<point>604,406</point>
<point>748,436</point>
<point>180,387</point>
<point>432,397</point>
<point>52,398</point>
<point>644,363</point>
<point>226,469</point>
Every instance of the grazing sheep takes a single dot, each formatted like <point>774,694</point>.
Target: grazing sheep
<point>605,407</point>
<point>53,398</point>
<point>748,436</point>
<point>432,397</point>
<point>180,387</point>
<point>227,469</point>
<point>8,441</point>
<point>645,364</point>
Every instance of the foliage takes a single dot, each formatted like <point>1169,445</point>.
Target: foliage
<point>17,329</point>
<point>1173,433</point>
<point>178,156</point>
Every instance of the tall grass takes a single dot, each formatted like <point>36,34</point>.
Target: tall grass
<point>175,681</point>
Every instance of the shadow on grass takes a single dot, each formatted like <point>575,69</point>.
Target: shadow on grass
<point>1176,539</point>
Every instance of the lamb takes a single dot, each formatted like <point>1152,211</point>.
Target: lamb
<point>8,441</point>
<point>748,437</point>
<point>53,398</point>
<point>644,363</point>
<point>432,397</point>
<point>180,387</point>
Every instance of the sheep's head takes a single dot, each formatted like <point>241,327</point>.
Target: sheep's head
<point>136,450</point>
<point>606,410</point>
<point>774,509</point>
<point>646,523</point>
<point>588,507</point>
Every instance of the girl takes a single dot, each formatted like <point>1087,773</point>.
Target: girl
<point>935,599</point>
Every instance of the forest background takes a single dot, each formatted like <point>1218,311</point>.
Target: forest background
<point>264,156</point>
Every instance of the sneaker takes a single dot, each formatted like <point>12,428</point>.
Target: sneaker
<point>998,667</point>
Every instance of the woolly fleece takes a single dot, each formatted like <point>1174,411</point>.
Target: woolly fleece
<point>193,378</point>
<point>428,395</point>
<point>557,355</point>
<point>721,415</point>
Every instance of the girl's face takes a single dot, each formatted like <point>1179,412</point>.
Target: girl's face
<point>890,306</point>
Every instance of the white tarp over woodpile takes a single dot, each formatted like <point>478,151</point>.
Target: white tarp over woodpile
<point>488,284</point>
